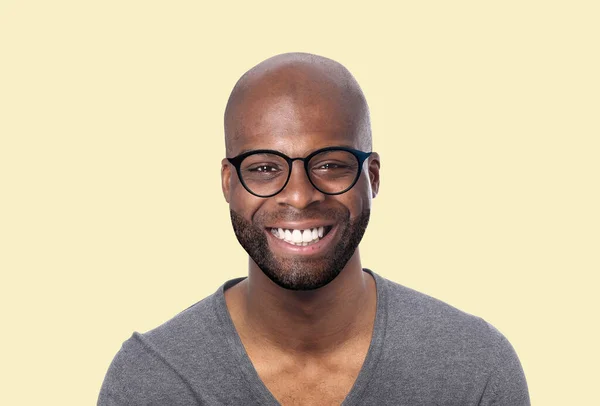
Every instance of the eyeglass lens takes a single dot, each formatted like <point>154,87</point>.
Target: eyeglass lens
<point>329,171</point>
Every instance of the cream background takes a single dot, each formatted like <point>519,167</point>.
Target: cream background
<point>111,215</point>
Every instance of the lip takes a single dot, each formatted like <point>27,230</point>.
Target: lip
<point>313,249</point>
<point>302,225</point>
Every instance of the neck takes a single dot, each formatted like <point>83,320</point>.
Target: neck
<point>309,322</point>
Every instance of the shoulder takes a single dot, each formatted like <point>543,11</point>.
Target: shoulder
<point>421,315</point>
<point>138,375</point>
<point>446,343</point>
<point>198,322</point>
<point>153,367</point>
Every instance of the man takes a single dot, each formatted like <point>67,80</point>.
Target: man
<point>309,325</point>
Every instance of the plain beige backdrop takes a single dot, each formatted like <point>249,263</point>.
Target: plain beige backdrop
<point>485,114</point>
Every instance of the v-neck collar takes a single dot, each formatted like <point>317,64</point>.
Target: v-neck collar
<point>259,390</point>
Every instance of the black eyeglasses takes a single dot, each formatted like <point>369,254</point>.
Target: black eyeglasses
<point>331,170</point>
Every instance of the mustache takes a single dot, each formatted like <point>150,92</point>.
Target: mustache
<point>336,214</point>
<point>301,215</point>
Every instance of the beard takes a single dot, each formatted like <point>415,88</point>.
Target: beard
<point>299,272</point>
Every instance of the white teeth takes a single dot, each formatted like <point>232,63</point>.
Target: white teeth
<point>306,236</point>
<point>297,236</point>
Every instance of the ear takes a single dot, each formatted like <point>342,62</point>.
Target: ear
<point>374,165</point>
<point>226,178</point>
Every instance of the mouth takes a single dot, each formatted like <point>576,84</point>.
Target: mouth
<point>300,237</point>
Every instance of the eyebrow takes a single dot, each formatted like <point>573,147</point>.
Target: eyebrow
<point>316,149</point>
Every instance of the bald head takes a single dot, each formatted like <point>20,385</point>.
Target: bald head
<point>320,88</point>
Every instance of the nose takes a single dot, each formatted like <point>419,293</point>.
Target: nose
<point>299,192</point>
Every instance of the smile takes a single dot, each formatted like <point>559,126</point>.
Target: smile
<point>301,238</point>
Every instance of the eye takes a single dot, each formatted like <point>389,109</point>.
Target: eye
<point>331,165</point>
<point>263,169</point>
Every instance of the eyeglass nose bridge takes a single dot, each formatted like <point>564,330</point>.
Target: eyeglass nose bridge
<point>305,161</point>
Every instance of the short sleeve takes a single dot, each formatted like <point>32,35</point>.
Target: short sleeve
<point>506,385</point>
<point>138,376</point>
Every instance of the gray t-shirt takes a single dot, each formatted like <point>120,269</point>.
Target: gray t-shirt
<point>423,352</point>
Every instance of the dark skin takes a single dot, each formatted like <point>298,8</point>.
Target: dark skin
<point>307,346</point>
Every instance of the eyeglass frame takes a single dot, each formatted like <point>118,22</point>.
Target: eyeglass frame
<point>360,156</point>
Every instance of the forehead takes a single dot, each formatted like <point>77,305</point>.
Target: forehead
<point>294,127</point>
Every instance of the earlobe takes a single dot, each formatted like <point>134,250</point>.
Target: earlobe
<point>374,166</point>
<point>226,179</point>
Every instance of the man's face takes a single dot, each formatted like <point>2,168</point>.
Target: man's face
<point>297,129</point>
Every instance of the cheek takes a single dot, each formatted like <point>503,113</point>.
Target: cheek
<point>355,203</point>
<point>359,197</point>
<point>243,203</point>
